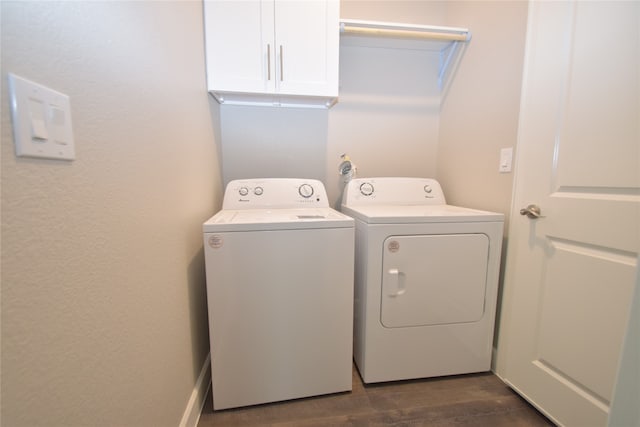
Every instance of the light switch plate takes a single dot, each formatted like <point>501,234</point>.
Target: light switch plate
<point>41,120</point>
<point>506,159</point>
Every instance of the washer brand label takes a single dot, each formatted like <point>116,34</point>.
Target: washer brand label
<point>393,246</point>
<point>216,241</point>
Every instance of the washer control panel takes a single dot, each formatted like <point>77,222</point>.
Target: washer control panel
<point>274,193</point>
<point>393,191</point>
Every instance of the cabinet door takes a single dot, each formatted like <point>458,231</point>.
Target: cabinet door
<point>307,39</point>
<point>240,45</point>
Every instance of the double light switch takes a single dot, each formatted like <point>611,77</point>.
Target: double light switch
<point>41,120</point>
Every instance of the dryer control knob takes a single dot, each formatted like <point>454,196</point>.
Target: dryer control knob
<point>366,188</point>
<point>428,189</point>
<point>258,191</point>
<point>243,191</point>
<point>305,190</point>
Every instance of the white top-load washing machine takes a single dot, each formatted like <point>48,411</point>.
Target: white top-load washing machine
<point>426,279</point>
<point>279,268</point>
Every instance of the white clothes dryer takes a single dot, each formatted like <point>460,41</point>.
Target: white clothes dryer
<point>279,267</point>
<point>426,280</point>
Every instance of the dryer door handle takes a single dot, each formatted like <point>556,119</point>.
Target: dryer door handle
<point>396,284</point>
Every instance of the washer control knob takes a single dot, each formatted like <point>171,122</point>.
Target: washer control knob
<point>243,191</point>
<point>258,191</point>
<point>366,188</point>
<point>428,189</point>
<point>305,190</point>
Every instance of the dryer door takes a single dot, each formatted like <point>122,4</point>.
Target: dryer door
<point>433,279</point>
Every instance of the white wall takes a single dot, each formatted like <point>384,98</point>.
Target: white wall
<point>103,294</point>
<point>386,118</point>
<point>405,11</point>
<point>103,291</point>
<point>480,111</point>
<point>390,117</point>
<point>270,142</point>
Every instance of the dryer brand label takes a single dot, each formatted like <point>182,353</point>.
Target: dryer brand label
<point>393,246</point>
<point>216,241</point>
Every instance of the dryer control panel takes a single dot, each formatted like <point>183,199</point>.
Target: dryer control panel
<point>275,193</point>
<point>393,191</point>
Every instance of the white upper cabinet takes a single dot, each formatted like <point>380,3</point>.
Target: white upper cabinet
<point>273,52</point>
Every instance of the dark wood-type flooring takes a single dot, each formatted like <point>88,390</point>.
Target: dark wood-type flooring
<point>463,400</point>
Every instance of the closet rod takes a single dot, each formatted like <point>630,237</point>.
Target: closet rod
<point>377,29</point>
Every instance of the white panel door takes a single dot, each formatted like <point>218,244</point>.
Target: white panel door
<point>570,273</point>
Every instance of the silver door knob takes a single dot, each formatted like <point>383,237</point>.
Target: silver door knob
<point>531,211</point>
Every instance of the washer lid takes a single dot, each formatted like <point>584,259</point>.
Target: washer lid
<point>276,219</point>
<point>400,214</point>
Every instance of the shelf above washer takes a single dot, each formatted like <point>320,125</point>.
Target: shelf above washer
<point>446,41</point>
<point>444,35</point>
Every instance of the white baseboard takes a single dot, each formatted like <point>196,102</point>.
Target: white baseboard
<point>192,412</point>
